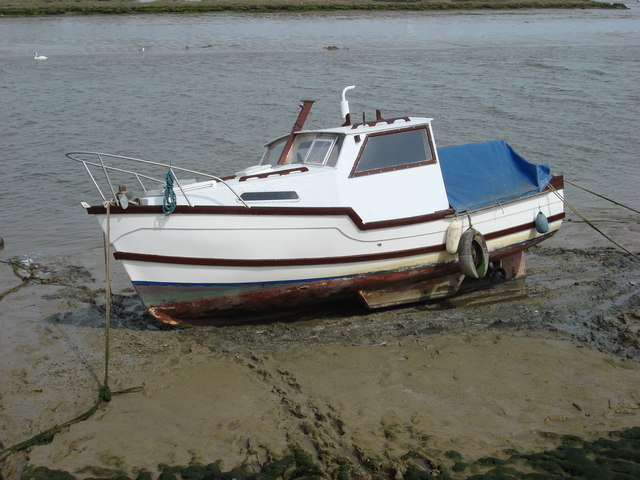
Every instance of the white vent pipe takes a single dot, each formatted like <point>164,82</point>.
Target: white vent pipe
<point>344,104</point>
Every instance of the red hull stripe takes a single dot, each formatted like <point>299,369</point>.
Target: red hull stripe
<point>556,182</point>
<point>239,262</point>
<point>275,211</point>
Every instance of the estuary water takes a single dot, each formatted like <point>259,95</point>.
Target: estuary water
<point>208,91</point>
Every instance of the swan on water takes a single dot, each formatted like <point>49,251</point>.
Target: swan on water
<point>39,57</point>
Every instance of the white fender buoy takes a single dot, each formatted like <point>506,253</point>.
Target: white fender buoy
<point>453,236</point>
<point>542,224</point>
<point>473,254</point>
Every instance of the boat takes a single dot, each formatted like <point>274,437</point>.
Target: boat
<point>368,211</point>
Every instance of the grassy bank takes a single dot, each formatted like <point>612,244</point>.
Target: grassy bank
<point>94,7</point>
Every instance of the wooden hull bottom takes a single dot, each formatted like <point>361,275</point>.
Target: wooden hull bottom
<point>245,303</point>
<point>227,304</point>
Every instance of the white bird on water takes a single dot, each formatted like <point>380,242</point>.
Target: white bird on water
<point>39,57</point>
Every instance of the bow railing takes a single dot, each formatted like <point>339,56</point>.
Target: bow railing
<point>97,163</point>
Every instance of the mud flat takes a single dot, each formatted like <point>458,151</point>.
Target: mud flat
<point>447,390</point>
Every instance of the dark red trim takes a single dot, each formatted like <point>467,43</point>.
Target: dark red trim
<point>239,262</point>
<point>285,211</point>
<point>232,262</point>
<point>557,182</point>
<point>518,228</point>
<point>277,172</point>
<point>388,121</point>
<point>297,126</point>
<point>507,251</point>
<point>394,168</point>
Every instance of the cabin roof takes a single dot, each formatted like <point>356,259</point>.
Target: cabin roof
<point>374,126</point>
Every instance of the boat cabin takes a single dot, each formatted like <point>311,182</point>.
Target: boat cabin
<point>384,169</point>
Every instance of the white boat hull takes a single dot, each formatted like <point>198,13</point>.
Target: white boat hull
<point>364,210</point>
<point>215,262</point>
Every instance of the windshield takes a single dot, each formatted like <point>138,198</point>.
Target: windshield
<point>307,148</point>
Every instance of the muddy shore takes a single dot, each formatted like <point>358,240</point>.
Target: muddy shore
<point>512,367</point>
<point>128,7</point>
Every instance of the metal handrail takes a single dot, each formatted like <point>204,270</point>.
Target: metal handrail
<point>100,164</point>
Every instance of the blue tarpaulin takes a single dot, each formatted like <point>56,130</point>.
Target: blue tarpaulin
<point>477,175</point>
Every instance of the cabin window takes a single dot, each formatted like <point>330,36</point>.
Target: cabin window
<point>392,151</point>
<point>273,152</point>
<point>332,159</point>
<point>307,148</point>
<point>257,196</point>
<point>318,150</point>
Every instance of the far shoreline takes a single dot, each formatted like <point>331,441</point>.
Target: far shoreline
<point>22,8</point>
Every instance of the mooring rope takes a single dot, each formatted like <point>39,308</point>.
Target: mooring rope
<point>590,223</point>
<point>602,196</point>
<point>104,392</point>
<point>169,196</point>
<point>24,280</point>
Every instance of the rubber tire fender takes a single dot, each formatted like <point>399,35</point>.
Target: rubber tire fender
<point>473,254</point>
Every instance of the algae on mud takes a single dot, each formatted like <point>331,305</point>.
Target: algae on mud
<point>617,456</point>
<point>112,7</point>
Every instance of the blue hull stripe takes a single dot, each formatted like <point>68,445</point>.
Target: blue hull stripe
<point>274,282</point>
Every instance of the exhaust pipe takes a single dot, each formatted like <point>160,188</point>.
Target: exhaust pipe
<point>344,104</point>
